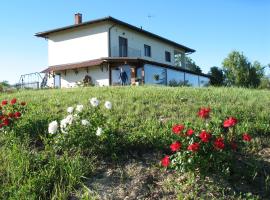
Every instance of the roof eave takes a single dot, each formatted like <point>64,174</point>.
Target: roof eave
<point>45,34</point>
<point>90,63</point>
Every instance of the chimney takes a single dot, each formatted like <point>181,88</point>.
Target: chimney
<point>78,18</point>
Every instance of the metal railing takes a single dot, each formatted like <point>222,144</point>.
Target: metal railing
<point>32,81</point>
<point>131,52</point>
<point>33,85</point>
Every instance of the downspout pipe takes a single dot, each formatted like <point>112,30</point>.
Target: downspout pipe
<point>109,50</point>
<point>109,40</point>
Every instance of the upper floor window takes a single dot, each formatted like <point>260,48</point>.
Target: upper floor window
<point>147,50</point>
<point>123,47</point>
<point>167,56</point>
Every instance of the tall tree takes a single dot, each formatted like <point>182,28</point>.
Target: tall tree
<point>256,73</point>
<point>191,65</point>
<point>5,83</point>
<point>217,76</point>
<point>240,72</point>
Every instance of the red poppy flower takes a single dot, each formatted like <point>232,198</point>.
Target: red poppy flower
<point>234,145</point>
<point>194,147</point>
<point>1,126</point>
<point>4,102</point>
<point>165,162</point>
<point>219,143</point>
<point>178,128</point>
<point>5,122</point>
<point>175,146</point>
<point>13,101</point>
<point>246,137</point>
<point>205,136</point>
<point>189,132</point>
<point>231,121</point>
<point>204,113</point>
<point>1,117</point>
<point>23,103</point>
<point>17,115</point>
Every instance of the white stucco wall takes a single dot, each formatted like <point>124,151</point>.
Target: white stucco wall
<point>136,42</point>
<point>69,79</point>
<point>76,45</point>
<point>91,42</point>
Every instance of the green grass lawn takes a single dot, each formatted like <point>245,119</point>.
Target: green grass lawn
<point>144,115</point>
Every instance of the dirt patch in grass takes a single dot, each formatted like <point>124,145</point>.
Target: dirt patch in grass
<point>141,177</point>
<point>136,178</point>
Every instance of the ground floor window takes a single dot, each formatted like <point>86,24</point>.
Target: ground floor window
<point>192,80</point>
<point>155,75</point>
<point>175,78</point>
<point>161,75</point>
<point>204,81</point>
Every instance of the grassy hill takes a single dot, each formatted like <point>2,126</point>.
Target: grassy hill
<point>31,169</point>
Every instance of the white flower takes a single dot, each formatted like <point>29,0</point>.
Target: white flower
<point>65,122</point>
<point>79,108</point>
<point>63,125</point>
<point>69,119</point>
<point>85,122</point>
<point>94,102</point>
<point>108,105</point>
<point>70,109</point>
<point>53,126</point>
<point>99,131</point>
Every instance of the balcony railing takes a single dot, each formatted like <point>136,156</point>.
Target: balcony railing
<point>131,52</point>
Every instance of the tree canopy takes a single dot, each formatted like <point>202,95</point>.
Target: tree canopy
<point>191,65</point>
<point>240,72</point>
<point>217,76</point>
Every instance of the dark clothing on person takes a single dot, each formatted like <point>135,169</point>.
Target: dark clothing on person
<point>123,78</point>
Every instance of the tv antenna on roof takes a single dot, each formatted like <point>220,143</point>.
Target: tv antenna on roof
<point>149,16</point>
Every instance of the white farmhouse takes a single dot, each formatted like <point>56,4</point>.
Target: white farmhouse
<point>108,51</point>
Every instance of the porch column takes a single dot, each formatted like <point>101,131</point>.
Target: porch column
<point>133,75</point>
<point>142,75</point>
<point>110,73</point>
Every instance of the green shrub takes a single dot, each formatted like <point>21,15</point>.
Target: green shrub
<point>89,130</point>
<point>205,146</point>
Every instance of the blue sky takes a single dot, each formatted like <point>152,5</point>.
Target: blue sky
<point>212,27</point>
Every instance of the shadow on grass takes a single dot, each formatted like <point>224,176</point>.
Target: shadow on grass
<point>137,173</point>
<point>252,175</point>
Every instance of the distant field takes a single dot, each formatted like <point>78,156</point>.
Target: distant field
<point>144,116</point>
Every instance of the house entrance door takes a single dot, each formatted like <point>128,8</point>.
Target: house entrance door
<point>57,80</point>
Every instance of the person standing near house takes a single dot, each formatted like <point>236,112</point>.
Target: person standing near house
<point>123,76</point>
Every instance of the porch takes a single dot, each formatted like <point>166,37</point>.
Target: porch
<point>124,71</point>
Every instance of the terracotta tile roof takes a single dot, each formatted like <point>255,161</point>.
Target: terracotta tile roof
<point>120,60</point>
<point>69,66</point>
